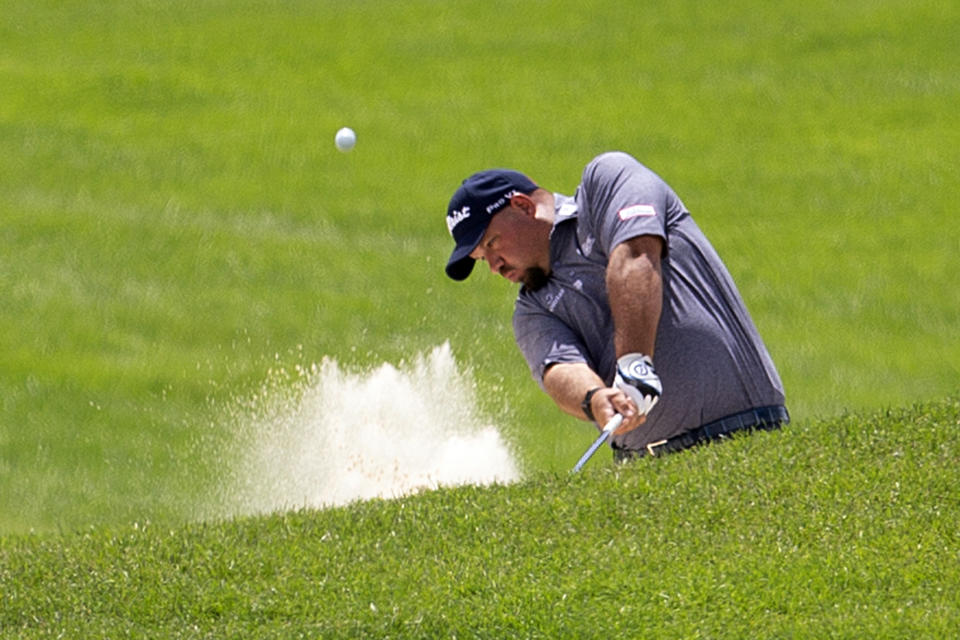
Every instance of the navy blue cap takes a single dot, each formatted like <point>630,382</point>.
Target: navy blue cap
<point>473,206</point>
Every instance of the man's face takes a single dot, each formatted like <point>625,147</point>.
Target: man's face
<point>517,247</point>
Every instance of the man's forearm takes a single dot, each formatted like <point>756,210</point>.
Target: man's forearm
<point>567,384</point>
<point>635,292</point>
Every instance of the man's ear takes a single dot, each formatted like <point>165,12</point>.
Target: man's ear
<point>524,203</point>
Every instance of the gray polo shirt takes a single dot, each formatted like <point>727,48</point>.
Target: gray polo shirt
<point>708,353</point>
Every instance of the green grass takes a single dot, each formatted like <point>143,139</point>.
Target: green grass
<point>842,528</point>
<point>176,224</point>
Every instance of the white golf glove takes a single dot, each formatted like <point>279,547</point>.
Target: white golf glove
<point>636,378</point>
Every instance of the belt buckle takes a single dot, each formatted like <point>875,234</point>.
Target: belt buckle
<point>651,448</point>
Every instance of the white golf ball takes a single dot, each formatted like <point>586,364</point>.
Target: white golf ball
<point>345,139</point>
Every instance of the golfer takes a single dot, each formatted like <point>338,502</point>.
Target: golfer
<point>624,306</point>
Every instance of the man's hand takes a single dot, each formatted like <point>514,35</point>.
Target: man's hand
<point>568,382</point>
<point>611,401</point>
<point>637,378</point>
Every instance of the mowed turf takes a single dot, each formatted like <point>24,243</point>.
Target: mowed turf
<point>176,221</point>
<point>844,528</point>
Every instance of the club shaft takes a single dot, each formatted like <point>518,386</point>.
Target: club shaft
<point>607,430</point>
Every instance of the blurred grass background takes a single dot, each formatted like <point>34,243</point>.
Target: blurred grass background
<point>176,221</point>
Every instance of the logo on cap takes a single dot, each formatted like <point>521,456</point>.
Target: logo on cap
<point>501,202</point>
<point>456,217</point>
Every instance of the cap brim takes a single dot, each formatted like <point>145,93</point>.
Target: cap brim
<point>461,264</point>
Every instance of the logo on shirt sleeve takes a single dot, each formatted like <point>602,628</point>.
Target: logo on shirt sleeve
<point>637,211</point>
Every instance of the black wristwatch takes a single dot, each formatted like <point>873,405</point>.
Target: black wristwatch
<point>585,405</point>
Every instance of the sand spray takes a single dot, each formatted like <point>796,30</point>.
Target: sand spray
<point>335,436</point>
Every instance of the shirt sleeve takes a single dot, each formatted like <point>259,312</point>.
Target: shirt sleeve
<point>621,199</point>
<point>544,340</point>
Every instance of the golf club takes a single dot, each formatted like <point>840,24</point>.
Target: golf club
<point>607,430</point>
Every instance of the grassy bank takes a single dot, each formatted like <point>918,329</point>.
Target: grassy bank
<point>843,528</point>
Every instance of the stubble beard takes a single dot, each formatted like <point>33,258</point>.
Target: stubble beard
<point>535,278</point>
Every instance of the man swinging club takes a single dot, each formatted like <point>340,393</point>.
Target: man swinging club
<point>613,279</point>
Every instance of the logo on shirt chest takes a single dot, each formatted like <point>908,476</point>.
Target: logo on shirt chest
<point>553,299</point>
